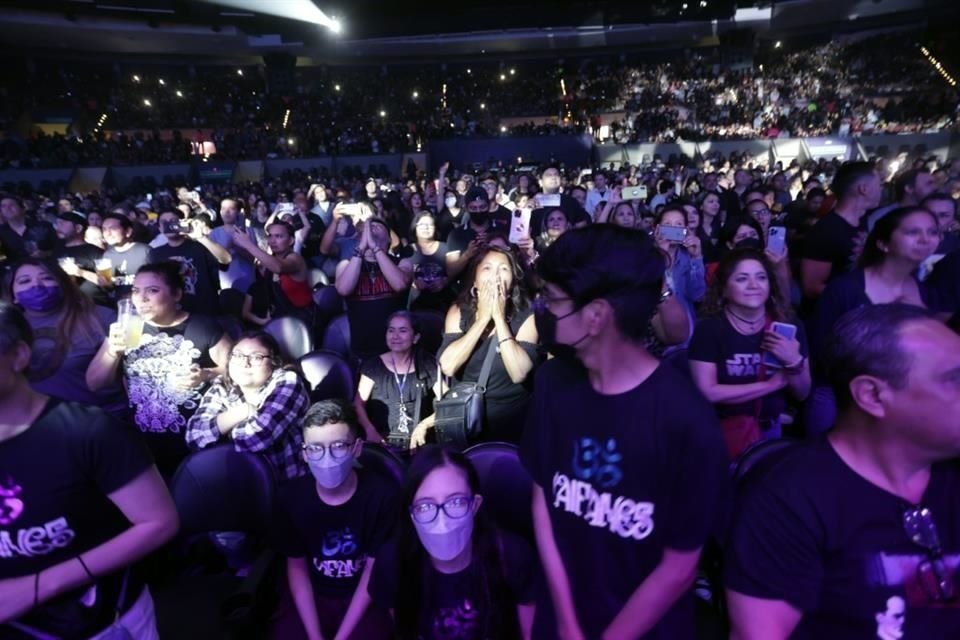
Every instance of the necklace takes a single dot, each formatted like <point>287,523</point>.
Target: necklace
<point>750,323</point>
<point>403,424</point>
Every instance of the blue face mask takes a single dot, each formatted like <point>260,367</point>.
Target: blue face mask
<point>40,298</point>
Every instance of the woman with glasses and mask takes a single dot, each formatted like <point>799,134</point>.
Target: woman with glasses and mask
<point>257,406</point>
<point>331,525</point>
<point>68,330</point>
<point>492,316</point>
<point>449,573</point>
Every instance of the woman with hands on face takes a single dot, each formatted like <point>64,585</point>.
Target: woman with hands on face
<point>494,310</point>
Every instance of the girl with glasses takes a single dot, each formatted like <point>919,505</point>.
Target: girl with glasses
<point>450,573</point>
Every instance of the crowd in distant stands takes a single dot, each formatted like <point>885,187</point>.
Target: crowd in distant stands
<point>880,84</point>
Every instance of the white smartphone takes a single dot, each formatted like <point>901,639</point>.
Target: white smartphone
<point>777,239</point>
<point>634,193</point>
<point>520,225</point>
<point>352,210</point>
<point>788,331</point>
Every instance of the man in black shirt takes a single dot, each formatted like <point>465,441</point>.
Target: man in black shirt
<point>626,456</point>
<point>834,243</point>
<point>15,224</point>
<point>199,268</point>
<point>77,257</point>
<point>542,204</point>
<point>499,214</point>
<point>858,535</point>
<point>463,243</point>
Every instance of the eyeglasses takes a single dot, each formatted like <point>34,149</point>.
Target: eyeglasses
<point>761,212</point>
<point>248,359</point>
<point>338,450</point>
<point>933,572</point>
<point>542,302</point>
<point>456,507</point>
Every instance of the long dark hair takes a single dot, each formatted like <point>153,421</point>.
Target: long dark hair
<point>78,316</point>
<point>422,361</point>
<point>519,299</point>
<point>497,601</point>
<point>778,307</point>
<point>883,231</point>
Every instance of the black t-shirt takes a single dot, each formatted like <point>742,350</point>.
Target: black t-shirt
<point>125,265</point>
<point>452,609</point>
<point>941,289</point>
<point>737,358</point>
<point>447,222</point>
<point>385,401</point>
<point>368,307</point>
<point>843,294</point>
<point>54,481</point>
<point>430,268</point>
<point>336,540</point>
<point>461,237</point>
<point>834,240</point>
<point>200,271</point>
<point>814,533</point>
<point>13,243</point>
<point>625,477</point>
<point>161,408</point>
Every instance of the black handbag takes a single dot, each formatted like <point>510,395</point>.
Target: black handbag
<point>460,412</point>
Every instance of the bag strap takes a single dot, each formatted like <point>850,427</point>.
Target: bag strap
<point>487,364</point>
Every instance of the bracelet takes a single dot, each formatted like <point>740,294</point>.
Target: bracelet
<point>506,340</point>
<point>86,569</point>
<point>795,368</point>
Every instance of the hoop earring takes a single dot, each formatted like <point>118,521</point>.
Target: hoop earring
<point>473,292</point>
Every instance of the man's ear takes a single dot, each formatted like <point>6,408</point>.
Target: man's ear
<point>871,394</point>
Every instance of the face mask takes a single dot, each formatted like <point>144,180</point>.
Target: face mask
<point>546,324</point>
<point>749,243</point>
<point>445,539</point>
<point>330,473</point>
<point>481,218</point>
<point>40,298</point>
<point>450,202</point>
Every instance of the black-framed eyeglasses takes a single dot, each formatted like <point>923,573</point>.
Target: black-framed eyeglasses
<point>456,507</point>
<point>249,358</point>
<point>933,573</point>
<point>339,450</point>
<point>542,302</point>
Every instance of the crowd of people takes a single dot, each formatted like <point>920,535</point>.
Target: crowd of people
<point>839,88</point>
<point>632,331</point>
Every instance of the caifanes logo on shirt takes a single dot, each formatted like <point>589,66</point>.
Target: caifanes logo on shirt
<point>11,506</point>
<point>597,465</point>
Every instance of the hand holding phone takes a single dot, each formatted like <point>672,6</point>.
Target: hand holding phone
<point>777,239</point>
<point>520,225</point>
<point>780,345</point>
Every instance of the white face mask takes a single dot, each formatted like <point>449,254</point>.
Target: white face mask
<point>445,538</point>
<point>330,473</point>
<point>450,202</point>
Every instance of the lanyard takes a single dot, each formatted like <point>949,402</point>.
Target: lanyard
<point>401,381</point>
